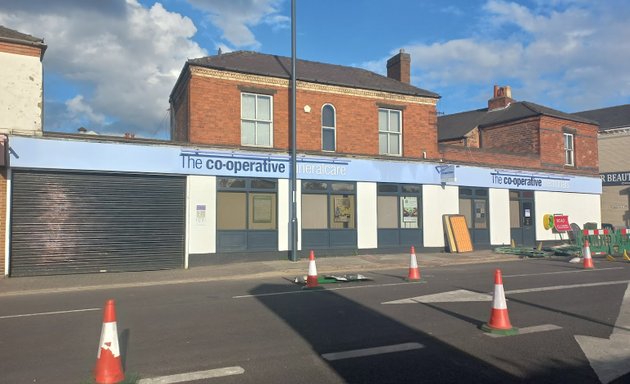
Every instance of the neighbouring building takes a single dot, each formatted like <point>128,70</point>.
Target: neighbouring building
<point>21,99</point>
<point>374,173</point>
<point>553,147</point>
<point>614,164</point>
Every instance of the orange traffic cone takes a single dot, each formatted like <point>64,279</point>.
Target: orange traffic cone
<point>586,253</point>
<point>414,271</point>
<point>499,319</point>
<point>311,278</point>
<point>108,368</point>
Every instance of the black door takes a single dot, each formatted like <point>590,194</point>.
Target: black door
<point>522,217</point>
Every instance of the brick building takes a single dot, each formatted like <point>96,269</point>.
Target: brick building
<point>613,143</point>
<point>373,174</point>
<point>528,136</point>
<point>388,130</point>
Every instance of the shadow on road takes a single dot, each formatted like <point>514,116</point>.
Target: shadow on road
<point>332,323</point>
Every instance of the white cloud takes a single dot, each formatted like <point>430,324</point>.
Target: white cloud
<point>78,110</point>
<point>127,58</point>
<point>570,55</point>
<point>236,18</point>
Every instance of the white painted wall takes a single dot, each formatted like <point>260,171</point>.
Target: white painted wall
<point>437,201</point>
<point>202,231</point>
<point>581,208</point>
<point>499,206</point>
<point>21,82</point>
<point>367,230</point>
<point>298,202</point>
<point>284,223</point>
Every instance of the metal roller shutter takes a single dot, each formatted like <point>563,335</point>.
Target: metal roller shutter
<point>65,223</point>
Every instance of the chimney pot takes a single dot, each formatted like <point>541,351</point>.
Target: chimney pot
<point>501,98</point>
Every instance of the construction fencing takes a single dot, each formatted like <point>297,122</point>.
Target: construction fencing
<point>605,241</point>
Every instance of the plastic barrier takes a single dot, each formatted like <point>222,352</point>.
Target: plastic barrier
<point>621,242</point>
<point>600,240</point>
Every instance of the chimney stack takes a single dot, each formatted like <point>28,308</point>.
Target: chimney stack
<point>399,67</point>
<point>502,98</point>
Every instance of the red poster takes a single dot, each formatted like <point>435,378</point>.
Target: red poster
<point>561,223</point>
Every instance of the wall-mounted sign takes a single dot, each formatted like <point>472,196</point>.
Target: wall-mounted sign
<point>168,158</point>
<point>201,214</point>
<point>615,178</point>
<point>447,173</point>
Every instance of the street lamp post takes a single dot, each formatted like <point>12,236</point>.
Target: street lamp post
<point>293,198</point>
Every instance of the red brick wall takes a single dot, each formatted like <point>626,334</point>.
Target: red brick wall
<point>180,114</point>
<point>491,157</point>
<point>215,119</point>
<point>552,144</point>
<point>502,146</point>
<point>518,137</point>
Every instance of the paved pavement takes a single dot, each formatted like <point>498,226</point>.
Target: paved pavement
<point>251,269</point>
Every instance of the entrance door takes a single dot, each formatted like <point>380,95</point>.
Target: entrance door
<point>522,217</point>
<point>473,204</point>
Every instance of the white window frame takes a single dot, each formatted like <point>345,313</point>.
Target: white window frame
<point>256,120</point>
<point>389,132</point>
<point>569,149</point>
<point>333,128</point>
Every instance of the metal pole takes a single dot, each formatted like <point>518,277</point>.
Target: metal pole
<point>293,206</point>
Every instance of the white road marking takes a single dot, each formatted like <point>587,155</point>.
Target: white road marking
<point>534,329</point>
<point>190,376</point>
<point>49,313</point>
<point>558,287</point>
<point>323,290</point>
<point>462,295</point>
<point>562,272</point>
<point>609,357</point>
<point>372,351</point>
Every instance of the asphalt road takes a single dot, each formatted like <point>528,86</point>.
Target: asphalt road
<point>276,332</point>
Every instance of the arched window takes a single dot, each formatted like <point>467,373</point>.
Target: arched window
<point>328,128</point>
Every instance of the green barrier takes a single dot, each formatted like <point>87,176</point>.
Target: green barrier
<point>621,242</point>
<point>599,240</point>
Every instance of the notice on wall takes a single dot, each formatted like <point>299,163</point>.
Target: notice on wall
<point>410,209</point>
<point>262,209</point>
<point>201,214</point>
<point>342,210</point>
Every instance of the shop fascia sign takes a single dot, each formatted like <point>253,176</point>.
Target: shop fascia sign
<point>249,165</point>
<point>615,178</point>
<point>528,181</point>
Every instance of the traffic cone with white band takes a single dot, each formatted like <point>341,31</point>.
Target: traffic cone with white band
<point>414,271</point>
<point>311,278</point>
<point>108,368</point>
<point>586,253</point>
<point>499,319</point>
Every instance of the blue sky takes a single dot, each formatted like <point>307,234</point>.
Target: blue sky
<point>110,65</point>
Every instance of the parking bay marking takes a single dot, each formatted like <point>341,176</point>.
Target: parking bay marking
<point>372,351</point>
